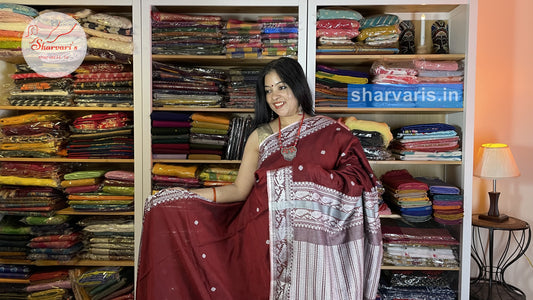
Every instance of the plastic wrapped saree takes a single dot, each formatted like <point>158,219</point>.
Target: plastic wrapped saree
<point>308,230</point>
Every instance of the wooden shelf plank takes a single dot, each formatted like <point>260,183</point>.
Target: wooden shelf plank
<point>65,108</point>
<point>70,211</point>
<point>63,159</point>
<point>418,268</point>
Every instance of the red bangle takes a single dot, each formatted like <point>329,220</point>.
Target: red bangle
<point>214,194</point>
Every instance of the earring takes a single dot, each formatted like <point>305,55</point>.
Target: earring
<point>300,110</point>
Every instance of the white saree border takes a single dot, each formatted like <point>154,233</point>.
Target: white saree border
<point>319,241</point>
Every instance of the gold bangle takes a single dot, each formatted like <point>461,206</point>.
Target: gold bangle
<point>214,194</point>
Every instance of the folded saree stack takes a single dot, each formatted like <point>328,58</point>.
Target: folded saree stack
<point>106,283</point>
<point>209,136</point>
<point>182,34</point>
<point>332,85</point>
<point>14,18</point>
<point>241,87</point>
<point>90,190</point>
<point>279,35</point>
<point>215,175</point>
<point>416,285</point>
<point>55,238</point>
<point>107,238</point>
<point>407,195</point>
<point>345,31</point>
<point>447,200</point>
<point>14,239</point>
<point>242,39</point>
<point>429,141</point>
<point>36,89</point>
<point>14,271</point>
<point>170,135</point>
<point>336,30</point>
<point>408,245</point>
<point>108,36</point>
<point>31,189</point>
<point>180,86</point>
<point>45,282</point>
<point>103,85</point>
<point>445,71</point>
<point>36,134</point>
<point>106,135</point>
<point>170,175</point>
<point>375,137</point>
<point>240,129</point>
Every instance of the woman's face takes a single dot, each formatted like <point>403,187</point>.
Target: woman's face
<point>279,96</point>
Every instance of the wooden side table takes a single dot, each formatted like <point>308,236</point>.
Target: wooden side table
<point>490,282</point>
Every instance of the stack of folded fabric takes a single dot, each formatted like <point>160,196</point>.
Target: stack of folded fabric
<point>408,245</point>
<point>407,195</point>
<point>217,175</point>
<point>279,35</point>
<point>242,39</point>
<point>14,238</point>
<point>36,134</point>
<point>209,136</point>
<point>439,71</point>
<point>82,182</point>
<point>170,135</point>
<point>168,176</point>
<point>109,36</point>
<point>375,137</point>
<point>108,238</point>
<point>85,192</point>
<point>119,182</point>
<point>35,89</point>
<point>240,129</point>
<point>45,282</point>
<point>241,87</point>
<point>31,189</point>
<point>14,18</point>
<point>106,135</point>
<point>416,285</point>
<point>56,238</point>
<point>9,271</point>
<point>332,85</point>
<point>107,283</point>
<point>182,34</point>
<point>447,201</point>
<point>430,141</point>
<point>103,84</point>
<point>336,30</point>
<point>381,32</point>
<point>179,86</point>
<point>396,72</point>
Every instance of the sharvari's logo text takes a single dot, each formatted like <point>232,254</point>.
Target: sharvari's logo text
<point>405,95</point>
<point>54,44</point>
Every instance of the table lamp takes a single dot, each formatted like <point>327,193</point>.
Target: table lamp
<point>495,161</point>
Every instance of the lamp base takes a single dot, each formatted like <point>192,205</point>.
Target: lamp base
<point>500,218</point>
<point>494,214</point>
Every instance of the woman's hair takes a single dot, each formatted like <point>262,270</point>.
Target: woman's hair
<point>290,72</point>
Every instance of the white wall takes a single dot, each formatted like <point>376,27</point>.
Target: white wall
<point>504,112</point>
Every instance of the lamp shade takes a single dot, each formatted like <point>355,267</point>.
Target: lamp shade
<point>495,161</point>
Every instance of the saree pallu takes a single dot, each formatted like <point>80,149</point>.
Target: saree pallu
<point>309,228</point>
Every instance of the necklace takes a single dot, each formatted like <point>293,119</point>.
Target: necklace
<point>289,153</point>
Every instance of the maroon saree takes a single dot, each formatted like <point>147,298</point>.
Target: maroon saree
<point>309,229</point>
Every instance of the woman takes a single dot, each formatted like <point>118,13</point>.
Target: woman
<point>300,221</point>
